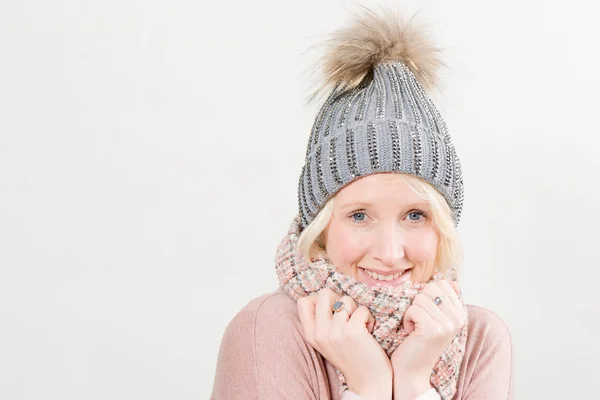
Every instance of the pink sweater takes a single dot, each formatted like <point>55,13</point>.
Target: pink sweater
<point>263,356</point>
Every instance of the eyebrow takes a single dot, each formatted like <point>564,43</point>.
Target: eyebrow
<point>361,204</point>
<point>355,206</point>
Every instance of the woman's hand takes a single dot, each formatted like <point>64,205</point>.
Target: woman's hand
<point>431,329</point>
<point>345,340</point>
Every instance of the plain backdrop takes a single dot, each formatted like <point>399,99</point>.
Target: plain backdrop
<point>149,154</point>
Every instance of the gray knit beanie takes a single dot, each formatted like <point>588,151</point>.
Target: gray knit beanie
<point>378,117</point>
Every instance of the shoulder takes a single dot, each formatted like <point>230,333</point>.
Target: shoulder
<point>270,316</point>
<point>489,345</point>
<point>486,370</point>
<point>267,309</point>
<point>485,324</point>
<point>263,352</point>
<point>273,305</point>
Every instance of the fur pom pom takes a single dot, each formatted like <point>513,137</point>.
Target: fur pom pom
<point>354,51</point>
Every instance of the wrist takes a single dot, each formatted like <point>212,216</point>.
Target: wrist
<point>373,389</point>
<point>410,386</point>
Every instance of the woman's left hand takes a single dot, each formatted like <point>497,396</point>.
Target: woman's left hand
<point>431,328</point>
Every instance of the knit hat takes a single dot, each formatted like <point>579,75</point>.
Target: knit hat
<point>377,116</point>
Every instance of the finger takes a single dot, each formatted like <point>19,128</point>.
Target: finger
<point>339,321</point>
<point>325,300</point>
<point>450,292</point>
<point>416,318</point>
<point>437,289</point>
<point>306,314</point>
<point>362,318</point>
<point>461,312</point>
<point>425,301</point>
<point>456,286</point>
<point>344,314</point>
<point>450,305</point>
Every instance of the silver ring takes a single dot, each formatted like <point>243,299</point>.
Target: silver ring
<point>438,300</point>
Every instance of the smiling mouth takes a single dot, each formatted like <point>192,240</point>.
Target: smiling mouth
<point>387,277</point>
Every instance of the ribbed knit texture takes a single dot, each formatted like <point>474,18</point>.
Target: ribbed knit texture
<point>388,125</point>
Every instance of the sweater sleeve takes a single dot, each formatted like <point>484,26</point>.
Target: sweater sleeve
<point>488,358</point>
<point>263,355</point>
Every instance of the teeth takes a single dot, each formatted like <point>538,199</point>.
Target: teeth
<point>380,277</point>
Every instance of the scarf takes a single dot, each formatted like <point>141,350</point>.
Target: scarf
<point>299,278</point>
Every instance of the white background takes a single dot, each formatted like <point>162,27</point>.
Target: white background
<point>149,154</point>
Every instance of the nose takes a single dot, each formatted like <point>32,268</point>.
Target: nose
<point>388,246</point>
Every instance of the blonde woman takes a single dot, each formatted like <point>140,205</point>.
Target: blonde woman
<point>369,305</point>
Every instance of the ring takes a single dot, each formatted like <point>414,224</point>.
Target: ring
<point>338,306</point>
<point>438,300</point>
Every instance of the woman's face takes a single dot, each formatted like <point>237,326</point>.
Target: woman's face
<point>381,232</point>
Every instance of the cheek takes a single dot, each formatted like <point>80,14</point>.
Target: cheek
<point>422,248</point>
<point>344,247</point>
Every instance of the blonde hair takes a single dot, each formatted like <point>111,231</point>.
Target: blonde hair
<point>449,252</point>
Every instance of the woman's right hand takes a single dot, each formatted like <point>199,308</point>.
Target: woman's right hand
<point>345,340</point>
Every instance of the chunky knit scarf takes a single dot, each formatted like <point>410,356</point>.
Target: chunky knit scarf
<point>299,278</point>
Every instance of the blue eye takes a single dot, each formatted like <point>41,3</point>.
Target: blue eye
<point>416,214</point>
<point>358,216</point>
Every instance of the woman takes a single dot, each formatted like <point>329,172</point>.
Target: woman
<point>369,305</point>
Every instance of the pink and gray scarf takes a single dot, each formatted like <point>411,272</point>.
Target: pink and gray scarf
<point>299,278</point>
